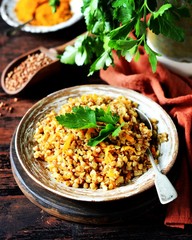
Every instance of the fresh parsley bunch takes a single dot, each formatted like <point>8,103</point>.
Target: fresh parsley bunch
<point>110,23</point>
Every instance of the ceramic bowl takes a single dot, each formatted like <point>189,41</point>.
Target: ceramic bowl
<point>9,16</point>
<point>37,171</point>
<point>181,67</point>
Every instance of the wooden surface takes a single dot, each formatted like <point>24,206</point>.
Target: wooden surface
<point>19,217</point>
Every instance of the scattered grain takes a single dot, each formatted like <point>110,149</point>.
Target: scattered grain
<point>7,107</point>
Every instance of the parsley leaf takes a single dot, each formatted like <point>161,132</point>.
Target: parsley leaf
<point>80,118</point>
<point>85,117</point>
<point>116,132</point>
<point>106,116</point>
<point>103,134</point>
<point>152,57</point>
<point>54,4</point>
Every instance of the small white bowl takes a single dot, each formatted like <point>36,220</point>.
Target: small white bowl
<point>40,175</point>
<point>9,16</point>
<point>181,68</point>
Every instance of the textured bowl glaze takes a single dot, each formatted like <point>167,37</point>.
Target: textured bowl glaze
<point>9,16</point>
<point>36,169</point>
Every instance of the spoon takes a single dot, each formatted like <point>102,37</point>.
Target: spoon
<point>165,190</point>
<point>12,31</point>
<point>42,72</point>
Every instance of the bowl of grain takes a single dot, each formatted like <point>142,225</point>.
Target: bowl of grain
<point>87,143</point>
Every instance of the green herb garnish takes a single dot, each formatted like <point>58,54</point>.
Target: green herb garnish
<point>54,4</point>
<point>109,24</point>
<point>85,117</point>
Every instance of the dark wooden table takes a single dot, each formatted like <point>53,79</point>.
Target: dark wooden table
<point>21,219</point>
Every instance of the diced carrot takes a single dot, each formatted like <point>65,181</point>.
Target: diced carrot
<point>130,138</point>
<point>68,141</point>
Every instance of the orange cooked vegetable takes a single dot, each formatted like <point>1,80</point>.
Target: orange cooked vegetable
<point>41,13</point>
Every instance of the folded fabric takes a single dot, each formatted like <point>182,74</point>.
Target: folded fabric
<point>174,94</point>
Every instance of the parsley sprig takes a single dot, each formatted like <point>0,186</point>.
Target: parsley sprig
<point>54,4</point>
<point>109,24</point>
<point>85,118</point>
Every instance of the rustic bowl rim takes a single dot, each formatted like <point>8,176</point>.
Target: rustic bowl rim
<point>139,185</point>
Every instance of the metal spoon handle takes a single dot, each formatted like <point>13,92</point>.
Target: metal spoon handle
<point>164,187</point>
<point>12,31</point>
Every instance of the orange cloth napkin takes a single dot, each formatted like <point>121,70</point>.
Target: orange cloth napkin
<point>174,94</point>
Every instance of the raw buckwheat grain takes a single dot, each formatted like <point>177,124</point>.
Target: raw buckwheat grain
<point>22,73</point>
